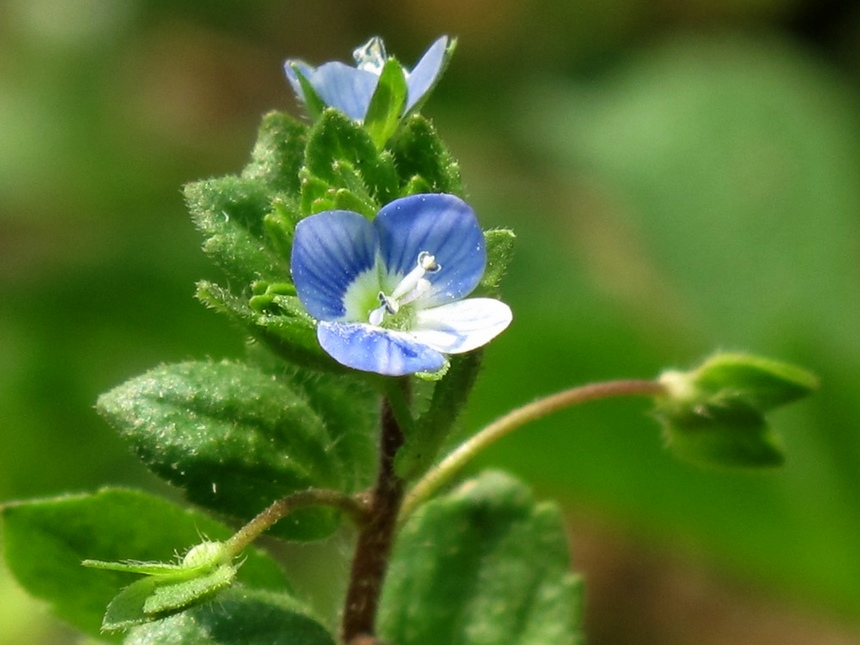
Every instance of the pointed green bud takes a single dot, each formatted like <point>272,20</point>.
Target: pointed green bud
<point>714,415</point>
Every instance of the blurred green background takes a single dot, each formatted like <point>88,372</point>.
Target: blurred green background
<point>682,176</point>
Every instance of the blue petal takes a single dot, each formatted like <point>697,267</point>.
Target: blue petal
<point>345,88</point>
<point>330,250</point>
<point>426,72</point>
<point>373,349</point>
<point>442,225</point>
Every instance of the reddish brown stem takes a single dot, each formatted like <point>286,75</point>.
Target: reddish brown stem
<point>375,539</point>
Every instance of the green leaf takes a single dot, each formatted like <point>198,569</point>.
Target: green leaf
<point>484,565</point>
<point>279,153</point>
<point>239,617</point>
<point>500,252</point>
<point>714,415</point>
<point>351,412</point>
<point>229,211</point>
<point>337,143</point>
<point>386,105</point>
<point>347,403</point>
<point>45,542</point>
<point>233,437</point>
<point>420,153</point>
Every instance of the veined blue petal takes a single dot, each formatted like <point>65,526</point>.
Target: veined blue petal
<point>345,88</point>
<point>426,71</point>
<point>444,226</point>
<point>461,326</point>
<point>330,250</point>
<point>373,349</point>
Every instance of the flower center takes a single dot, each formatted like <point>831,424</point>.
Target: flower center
<point>371,56</point>
<point>410,288</point>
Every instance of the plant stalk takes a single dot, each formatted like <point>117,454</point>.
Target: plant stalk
<point>375,538</point>
<point>443,472</point>
<point>353,505</point>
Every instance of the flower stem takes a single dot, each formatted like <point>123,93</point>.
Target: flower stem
<point>355,506</point>
<point>441,474</point>
<point>376,537</point>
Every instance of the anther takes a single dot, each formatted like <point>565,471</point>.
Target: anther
<point>428,262</point>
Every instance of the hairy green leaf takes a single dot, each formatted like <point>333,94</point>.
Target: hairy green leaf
<point>278,153</point>
<point>229,211</point>
<point>484,565</point>
<point>335,143</point>
<point>233,437</point>
<point>46,540</point>
<point>239,617</point>
<point>419,152</point>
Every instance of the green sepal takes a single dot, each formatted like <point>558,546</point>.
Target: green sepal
<point>420,153</point>
<point>415,185</point>
<point>500,251</point>
<point>736,443</point>
<point>267,296</point>
<point>450,394</point>
<point>233,437</point>
<point>278,153</point>
<point>313,103</point>
<point>715,415</point>
<point>282,324</point>
<point>156,597</point>
<point>757,382</point>
<point>317,195</point>
<point>338,144</point>
<point>229,211</point>
<point>46,540</point>
<point>387,103</point>
<point>280,225</point>
<point>200,559</point>
<point>239,616</point>
<point>349,201</point>
<point>485,564</point>
<point>346,183</point>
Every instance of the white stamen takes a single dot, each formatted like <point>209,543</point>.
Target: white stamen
<point>371,56</point>
<point>409,289</point>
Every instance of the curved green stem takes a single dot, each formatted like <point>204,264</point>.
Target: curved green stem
<point>442,473</point>
<point>356,506</point>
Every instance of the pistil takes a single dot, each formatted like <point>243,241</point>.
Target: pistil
<point>371,56</point>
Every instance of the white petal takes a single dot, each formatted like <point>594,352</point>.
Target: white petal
<point>463,325</point>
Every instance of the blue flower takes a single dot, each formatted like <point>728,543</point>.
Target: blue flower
<point>349,89</point>
<point>389,293</point>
